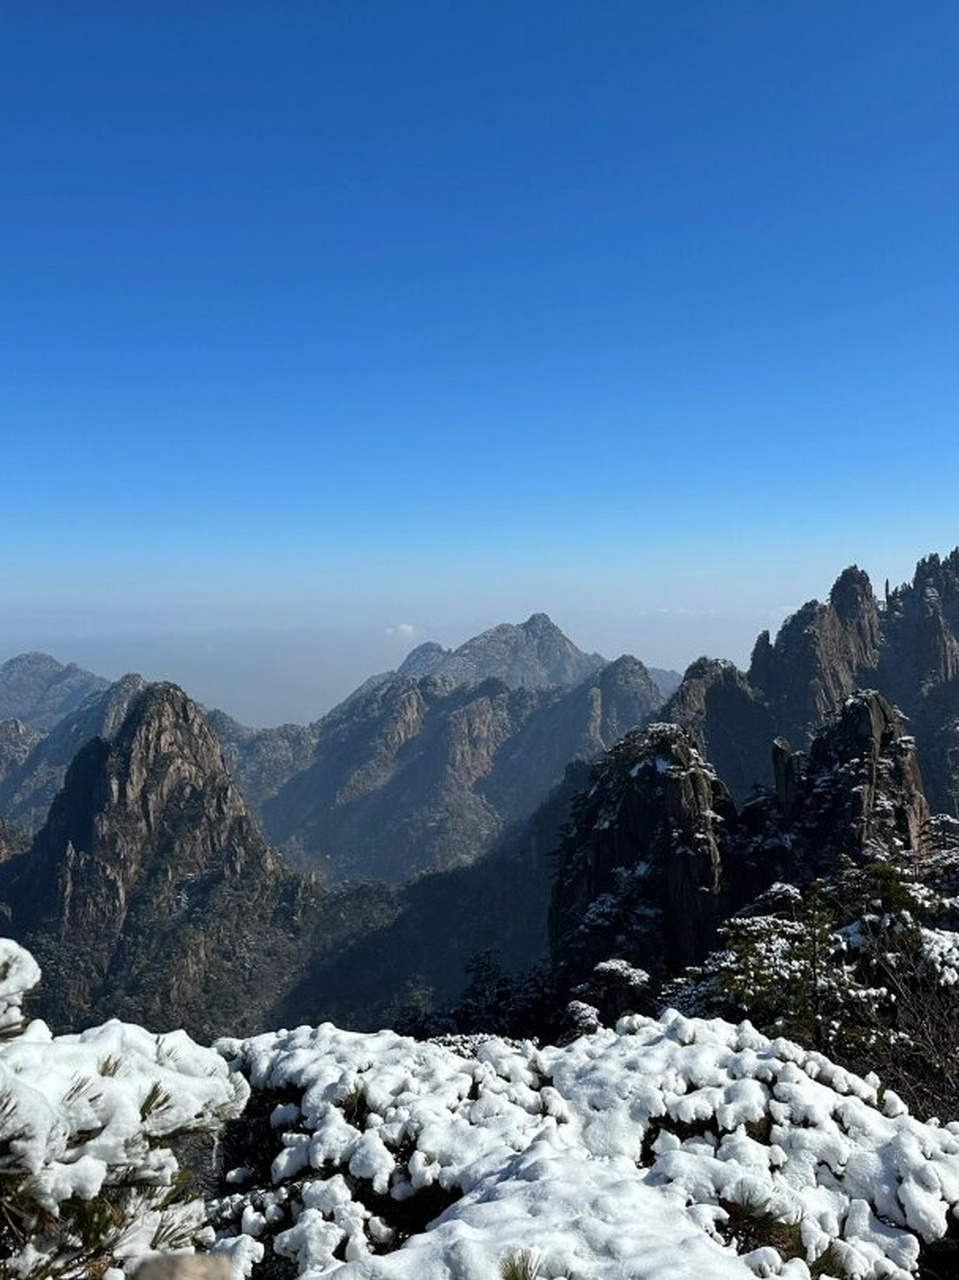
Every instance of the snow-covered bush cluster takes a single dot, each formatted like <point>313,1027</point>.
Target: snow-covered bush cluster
<point>858,965</point>
<point>89,1182</point>
<point>664,1148</point>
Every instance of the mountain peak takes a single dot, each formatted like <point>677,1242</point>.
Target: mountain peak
<point>40,691</point>
<point>149,853</point>
<point>534,654</point>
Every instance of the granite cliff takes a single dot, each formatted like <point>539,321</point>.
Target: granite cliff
<point>658,854</point>
<point>906,645</point>
<point>150,893</point>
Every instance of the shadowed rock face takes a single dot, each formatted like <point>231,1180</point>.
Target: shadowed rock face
<point>657,853</point>
<point>729,721</point>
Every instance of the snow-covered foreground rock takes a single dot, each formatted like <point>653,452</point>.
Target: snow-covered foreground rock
<point>666,1148</point>
<point>87,1173</point>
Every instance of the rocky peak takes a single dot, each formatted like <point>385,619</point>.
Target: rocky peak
<point>862,786</point>
<point>640,872</point>
<point>534,654</point>
<point>727,718</point>
<point>145,848</point>
<point>921,632</point>
<point>822,653</point>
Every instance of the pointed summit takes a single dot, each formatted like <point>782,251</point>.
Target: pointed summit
<point>150,891</point>
<point>534,654</point>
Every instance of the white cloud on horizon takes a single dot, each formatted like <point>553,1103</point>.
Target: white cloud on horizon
<point>404,631</point>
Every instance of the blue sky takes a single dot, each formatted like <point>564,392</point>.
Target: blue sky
<point>330,325</point>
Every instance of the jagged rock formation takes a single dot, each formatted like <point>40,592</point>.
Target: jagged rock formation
<point>640,874</point>
<point>28,786</point>
<point>425,774</point>
<point>821,654</point>
<point>40,691</point>
<point>658,853</point>
<point>151,893</point>
<point>905,645</point>
<point>920,633</point>
<point>728,719</point>
<point>533,655</point>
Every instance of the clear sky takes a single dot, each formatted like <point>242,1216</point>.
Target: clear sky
<point>330,325</point>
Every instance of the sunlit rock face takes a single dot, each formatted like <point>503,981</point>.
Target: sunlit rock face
<point>151,889</point>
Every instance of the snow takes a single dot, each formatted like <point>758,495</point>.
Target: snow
<point>663,1148</point>
<point>81,1114</point>
<point>619,1155</point>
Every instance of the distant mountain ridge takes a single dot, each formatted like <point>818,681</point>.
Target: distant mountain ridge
<point>424,773</point>
<point>906,645</point>
<point>336,792</point>
<point>40,691</point>
<point>426,767</point>
<point>532,655</point>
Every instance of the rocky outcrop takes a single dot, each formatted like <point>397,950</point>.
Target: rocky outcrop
<point>151,894</point>
<point>859,791</point>
<point>821,654</point>
<point>920,645</point>
<point>17,740</point>
<point>40,691</point>
<point>13,840</point>
<point>906,646</point>
<point>657,853</point>
<point>640,875</point>
<point>729,721</point>
<point>533,655</point>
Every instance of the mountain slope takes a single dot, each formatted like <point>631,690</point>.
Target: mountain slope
<point>38,690</point>
<point>29,786</point>
<point>424,774</point>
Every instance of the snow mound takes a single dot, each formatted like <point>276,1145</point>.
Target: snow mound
<point>86,1121</point>
<point>669,1147</point>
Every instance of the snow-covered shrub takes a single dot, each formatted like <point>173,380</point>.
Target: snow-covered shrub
<point>89,1182</point>
<point>384,1158</point>
<point>857,966</point>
